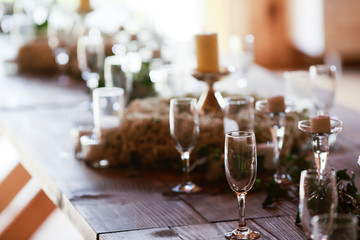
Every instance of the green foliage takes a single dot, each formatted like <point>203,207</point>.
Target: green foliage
<point>349,200</point>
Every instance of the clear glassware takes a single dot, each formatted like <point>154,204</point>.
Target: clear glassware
<point>340,226</point>
<point>90,55</point>
<point>108,113</point>
<point>116,74</point>
<point>320,141</point>
<point>318,195</point>
<point>184,129</point>
<point>60,36</point>
<point>239,113</point>
<point>277,128</point>
<point>323,87</point>
<point>297,89</point>
<point>240,169</point>
<point>241,48</point>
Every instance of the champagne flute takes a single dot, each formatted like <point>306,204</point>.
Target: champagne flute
<point>90,55</point>
<point>184,129</point>
<point>240,170</point>
<point>323,86</point>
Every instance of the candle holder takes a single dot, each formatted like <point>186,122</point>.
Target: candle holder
<point>277,129</point>
<point>210,101</point>
<point>320,141</point>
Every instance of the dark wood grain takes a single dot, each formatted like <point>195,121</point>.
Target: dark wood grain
<point>224,207</point>
<point>156,233</point>
<point>282,227</point>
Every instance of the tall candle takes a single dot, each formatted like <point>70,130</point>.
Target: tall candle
<point>84,6</point>
<point>207,52</point>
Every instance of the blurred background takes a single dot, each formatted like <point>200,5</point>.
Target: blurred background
<point>274,34</point>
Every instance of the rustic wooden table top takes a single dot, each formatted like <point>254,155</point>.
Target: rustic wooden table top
<point>36,114</point>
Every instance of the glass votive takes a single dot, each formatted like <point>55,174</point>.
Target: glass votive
<point>239,114</point>
<point>93,151</point>
<point>109,105</point>
<point>342,226</point>
<point>318,195</point>
<point>117,74</point>
<point>77,131</point>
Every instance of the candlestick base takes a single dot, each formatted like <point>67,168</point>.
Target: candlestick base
<point>210,101</point>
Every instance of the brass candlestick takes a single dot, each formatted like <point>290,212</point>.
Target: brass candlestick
<point>210,101</point>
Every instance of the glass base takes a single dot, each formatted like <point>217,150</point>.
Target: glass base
<point>188,187</point>
<point>282,178</point>
<point>248,234</point>
<point>98,164</point>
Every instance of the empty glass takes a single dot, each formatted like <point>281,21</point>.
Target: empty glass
<point>340,226</point>
<point>240,169</point>
<point>318,195</point>
<point>184,129</point>
<point>90,55</point>
<point>117,75</point>
<point>239,114</point>
<point>108,114</point>
<point>297,88</point>
<point>323,86</point>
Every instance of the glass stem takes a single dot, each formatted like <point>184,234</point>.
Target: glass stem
<point>241,201</point>
<point>320,144</point>
<point>185,157</point>
<point>277,134</point>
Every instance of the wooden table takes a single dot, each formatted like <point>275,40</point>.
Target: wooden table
<point>36,115</point>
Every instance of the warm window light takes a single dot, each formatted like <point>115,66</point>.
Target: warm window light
<point>307,26</point>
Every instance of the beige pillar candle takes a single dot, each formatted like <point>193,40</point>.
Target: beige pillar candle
<point>320,124</point>
<point>276,104</point>
<point>207,52</point>
<point>84,6</point>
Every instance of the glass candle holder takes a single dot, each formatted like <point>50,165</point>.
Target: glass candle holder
<point>108,112</point>
<point>320,141</point>
<point>277,129</point>
<point>117,74</point>
<point>340,226</point>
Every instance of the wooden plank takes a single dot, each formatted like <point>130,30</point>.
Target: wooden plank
<point>135,209</point>
<point>29,219</point>
<point>134,203</point>
<point>39,91</point>
<point>281,227</point>
<point>224,207</point>
<point>217,230</point>
<point>156,233</point>
<point>12,184</point>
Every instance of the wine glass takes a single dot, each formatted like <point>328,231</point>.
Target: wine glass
<point>240,170</point>
<point>90,55</point>
<point>320,141</point>
<point>184,129</point>
<point>60,39</point>
<point>318,195</point>
<point>323,86</point>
